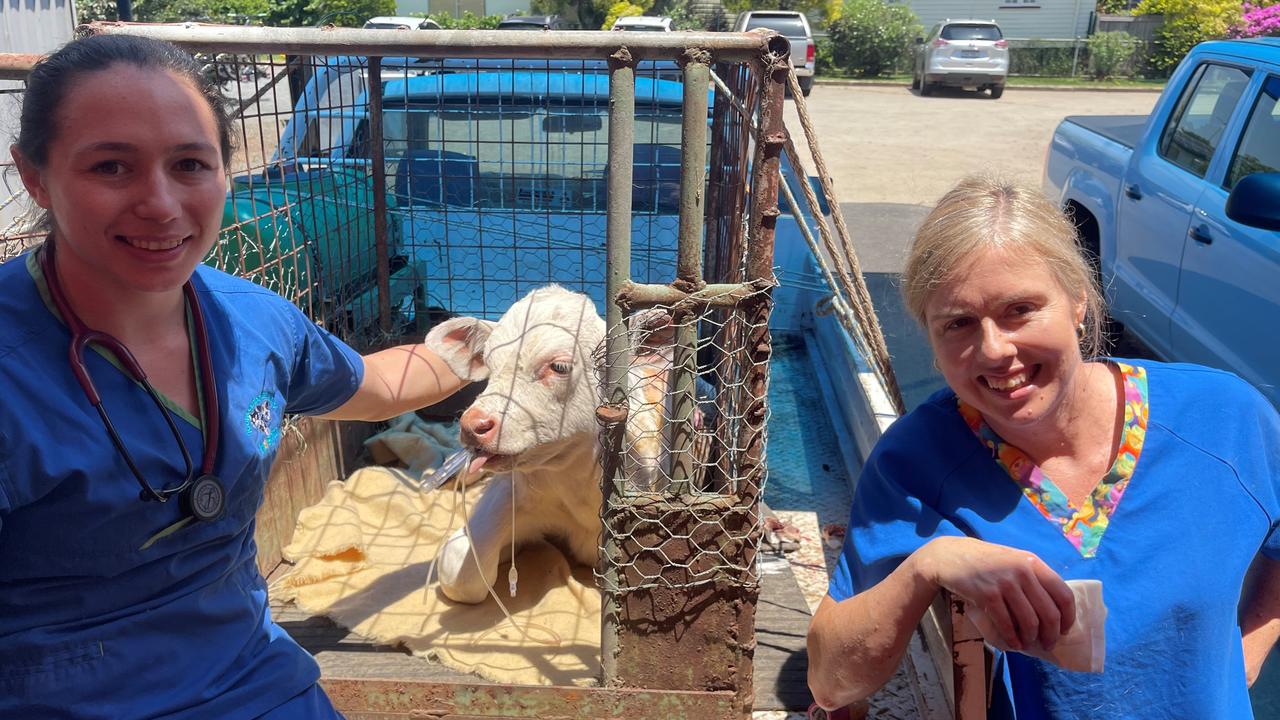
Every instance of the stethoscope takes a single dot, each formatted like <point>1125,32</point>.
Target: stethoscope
<point>202,497</point>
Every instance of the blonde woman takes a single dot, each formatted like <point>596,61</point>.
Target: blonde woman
<point>1040,464</point>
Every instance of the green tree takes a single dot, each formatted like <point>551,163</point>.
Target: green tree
<point>310,13</point>
<point>624,8</point>
<point>682,17</point>
<point>468,21</point>
<point>1111,54</point>
<point>1187,22</point>
<point>1113,7</point>
<point>872,37</point>
<point>219,11</point>
<point>808,7</point>
<point>587,14</point>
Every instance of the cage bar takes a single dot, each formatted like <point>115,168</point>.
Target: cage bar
<point>622,111</point>
<point>495,44</point>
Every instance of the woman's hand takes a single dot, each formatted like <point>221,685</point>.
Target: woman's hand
<point>1025,602</point>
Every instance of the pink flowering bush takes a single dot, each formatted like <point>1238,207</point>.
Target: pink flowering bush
<point>1258,20</point>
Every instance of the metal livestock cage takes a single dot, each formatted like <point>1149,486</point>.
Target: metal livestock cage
<point>384,181</point>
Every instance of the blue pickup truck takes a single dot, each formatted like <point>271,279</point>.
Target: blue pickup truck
<point>496,175</point>
<point>1181,209</point>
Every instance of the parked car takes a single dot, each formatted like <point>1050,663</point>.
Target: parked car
<point>794,26</point>
<point>962,53</point>
<point>643,23</point>
<point>534,22</point>
<point>401,22</point>
<point>1180,209</point>
<point>531,217</point>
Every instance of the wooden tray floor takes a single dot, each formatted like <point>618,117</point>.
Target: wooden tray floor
<point>782,618</point>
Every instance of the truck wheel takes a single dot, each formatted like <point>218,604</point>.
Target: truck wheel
<point>997,91</point>
<point>1087,234</point>
<point>806,85</point>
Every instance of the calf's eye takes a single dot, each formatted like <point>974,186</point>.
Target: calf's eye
<point>560,368</point>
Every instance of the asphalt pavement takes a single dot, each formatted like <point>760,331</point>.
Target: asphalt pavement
<point>891,154</point>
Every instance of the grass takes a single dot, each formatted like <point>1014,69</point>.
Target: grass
<point>1024,81</point>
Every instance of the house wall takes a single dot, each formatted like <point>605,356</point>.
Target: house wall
<point>26,26</point>
<point>35,26</point>
<point>1018,19</point>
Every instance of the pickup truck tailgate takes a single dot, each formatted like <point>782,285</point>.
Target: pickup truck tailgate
<point>1124,129</point>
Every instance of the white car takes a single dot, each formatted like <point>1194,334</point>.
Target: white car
<point>401,22</point>
<point>643,23</point>
<point>962,53</point>
<point>794,26</point>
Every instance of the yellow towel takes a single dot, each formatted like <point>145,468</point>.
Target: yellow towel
<point>362,556</point>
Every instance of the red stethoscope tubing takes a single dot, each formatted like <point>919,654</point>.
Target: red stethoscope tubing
<point>82,337</point>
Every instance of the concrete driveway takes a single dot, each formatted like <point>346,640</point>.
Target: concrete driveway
<point>892,154</point>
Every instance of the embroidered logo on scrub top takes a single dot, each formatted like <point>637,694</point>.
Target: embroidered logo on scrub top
<point>262,422</point>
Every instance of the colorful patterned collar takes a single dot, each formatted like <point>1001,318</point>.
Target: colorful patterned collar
<point>1083,526</point>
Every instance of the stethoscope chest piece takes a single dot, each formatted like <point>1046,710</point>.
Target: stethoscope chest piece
<point>205,499</point>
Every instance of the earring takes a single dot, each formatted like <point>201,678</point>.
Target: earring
<point>1080,331</point>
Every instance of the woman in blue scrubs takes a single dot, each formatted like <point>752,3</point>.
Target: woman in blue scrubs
<point>113,604</point>
<point>1039,464</point>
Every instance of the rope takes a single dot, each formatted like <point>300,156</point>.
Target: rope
<point>851,278</point>
<point>858,316</point>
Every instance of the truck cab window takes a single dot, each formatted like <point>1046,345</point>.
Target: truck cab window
<point>523,157</point>
<point>1196,125</point>
<point>1259,148</point>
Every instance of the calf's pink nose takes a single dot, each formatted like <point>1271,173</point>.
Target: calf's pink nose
<point>481,426</point>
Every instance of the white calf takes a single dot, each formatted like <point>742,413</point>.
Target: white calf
<point>534,426</point>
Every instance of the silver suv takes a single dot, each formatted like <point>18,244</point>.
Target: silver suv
<point>962,53</point>
<point>794,26</point>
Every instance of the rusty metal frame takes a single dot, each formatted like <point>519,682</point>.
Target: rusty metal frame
<point>572,44</point>
<point>363,699</point>
<point>638,647</point>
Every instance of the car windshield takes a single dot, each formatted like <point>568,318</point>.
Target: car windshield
<point>642,28</point>
<point>789,25</point>
<point>520,26</point>
<point>548,158</point>
<point>970,32</point>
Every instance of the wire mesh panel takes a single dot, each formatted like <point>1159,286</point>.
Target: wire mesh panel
<point>300,216</point>
<point>677,456</point>
<point>20,220</point>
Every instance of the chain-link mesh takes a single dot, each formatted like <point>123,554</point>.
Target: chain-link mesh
<point>19,218</point>
<point>681,509</point>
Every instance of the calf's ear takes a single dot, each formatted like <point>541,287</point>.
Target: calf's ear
<point>652,332</point>
<point>460,343</point>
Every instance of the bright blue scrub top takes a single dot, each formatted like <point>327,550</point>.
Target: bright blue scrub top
<point>1201,504</point>
<point>92,626</point>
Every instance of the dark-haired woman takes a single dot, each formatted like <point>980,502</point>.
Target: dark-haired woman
<point>114,604</point>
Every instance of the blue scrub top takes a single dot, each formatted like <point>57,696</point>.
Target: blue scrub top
<point>91,625</point>
<point>1201,504</point>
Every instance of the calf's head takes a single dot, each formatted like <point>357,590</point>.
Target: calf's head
<point>542,392</point>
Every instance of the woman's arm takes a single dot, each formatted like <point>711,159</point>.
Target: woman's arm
<point>398,380</point>
<point>855,645</point>
<point>1260,616</point>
